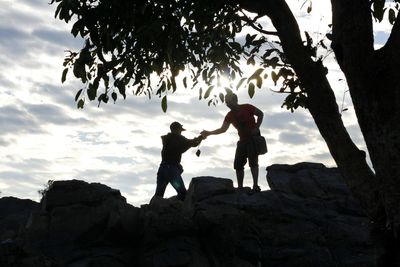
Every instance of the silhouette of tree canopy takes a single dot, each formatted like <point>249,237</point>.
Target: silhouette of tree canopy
<point>127,42</point>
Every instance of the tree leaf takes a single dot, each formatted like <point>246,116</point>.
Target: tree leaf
<point>250,39</point>
<point>259,81</point>
<point>80,104</point>
<point>208,92</point>
<point>240,83</point>
<point>103,97</point>
<point>92,90</point>
<point>184,82</point>
<point>236,46</point>
<point>221,97</point>
<point>114,96</point>
<point>256,74</point>
<point>285,72</point>
<point>392,16</point>
<point>78,27</point>
<point>164,104</point>
<point>251,90</point>
<point>78,94</point>
<point>274,77</point>
<point>64,75</point>
<point>379,9</point>
<point>251,61</point>
<point>204,75</point>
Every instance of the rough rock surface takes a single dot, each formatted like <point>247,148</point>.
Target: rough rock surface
<point>307,218</point>
<point>14,213</point>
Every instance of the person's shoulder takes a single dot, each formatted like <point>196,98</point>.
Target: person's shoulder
<point>247,106</point>
<point>178,137</point>
<point>228,115</point>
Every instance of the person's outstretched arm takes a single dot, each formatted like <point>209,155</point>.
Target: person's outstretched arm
<point>188,143</point>
<point>222,129</point>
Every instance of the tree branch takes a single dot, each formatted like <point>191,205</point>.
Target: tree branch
<point>391,48</point>
<point>353,39</point>
<point>259,29</point>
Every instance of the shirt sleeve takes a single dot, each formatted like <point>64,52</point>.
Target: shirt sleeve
<point>228,117</point>
<point>188,143</point>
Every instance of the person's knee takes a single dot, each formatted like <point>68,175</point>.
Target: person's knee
<point>182,195</point>
<point>238,164</point>
<point>254,165</point>
<point>238,167</point>
<point>253,162</point>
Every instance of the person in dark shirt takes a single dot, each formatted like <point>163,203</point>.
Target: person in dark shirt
<point>170,170</point>
<point>242,118</point>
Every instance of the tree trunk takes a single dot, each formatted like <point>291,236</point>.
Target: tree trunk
<point>322,105</point>
<point>375,90</point>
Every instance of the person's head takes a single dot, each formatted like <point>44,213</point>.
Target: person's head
<point>231,100</point>
<point>176,127</point>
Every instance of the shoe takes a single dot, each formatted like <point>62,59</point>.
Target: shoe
<point>256,188</point>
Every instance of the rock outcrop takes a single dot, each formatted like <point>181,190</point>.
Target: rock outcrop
<point>308,218</point>
<point>14,213</point>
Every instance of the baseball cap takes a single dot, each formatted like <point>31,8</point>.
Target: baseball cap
<point>176,126</point>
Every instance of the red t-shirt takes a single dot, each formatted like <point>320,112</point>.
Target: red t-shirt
<point>243,120</point>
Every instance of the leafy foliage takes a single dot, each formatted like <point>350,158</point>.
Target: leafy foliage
<point>379,8</point>
<point>142,46</point>
<point>43,192</point>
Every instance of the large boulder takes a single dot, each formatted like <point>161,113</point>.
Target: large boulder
<point>77,217</point>
<point>14,213</point>
<point>204,187</point>
<point>307,179</point>
<point>315,181</point>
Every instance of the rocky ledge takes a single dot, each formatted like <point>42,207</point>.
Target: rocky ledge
<point>308,218</point>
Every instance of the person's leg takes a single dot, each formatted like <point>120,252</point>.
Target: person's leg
<point>254,173</point>
<point>253,163</point>
<point>239,162</point>
<point>240,177</point>
<point>177,183</point>
<point>162,180</point>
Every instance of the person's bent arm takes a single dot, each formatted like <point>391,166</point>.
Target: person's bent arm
<point>260,115</point>
<point>222,129</point>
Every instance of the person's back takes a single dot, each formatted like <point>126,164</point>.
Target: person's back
<point>174,145</point>
<point>170,170</point>
<point>243,120</point>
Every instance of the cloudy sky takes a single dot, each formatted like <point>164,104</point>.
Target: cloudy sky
<point>44,137</point>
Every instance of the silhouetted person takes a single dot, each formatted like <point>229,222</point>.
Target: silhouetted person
<point>170,170</point>
<point>243,119</point>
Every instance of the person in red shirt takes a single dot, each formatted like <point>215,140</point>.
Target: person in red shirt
<point>242,117</point>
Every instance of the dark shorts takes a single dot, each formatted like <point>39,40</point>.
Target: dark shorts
<point>245,150</point>
<point>170,173</point>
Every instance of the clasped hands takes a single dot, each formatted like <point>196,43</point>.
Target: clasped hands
<point>204,134</point>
